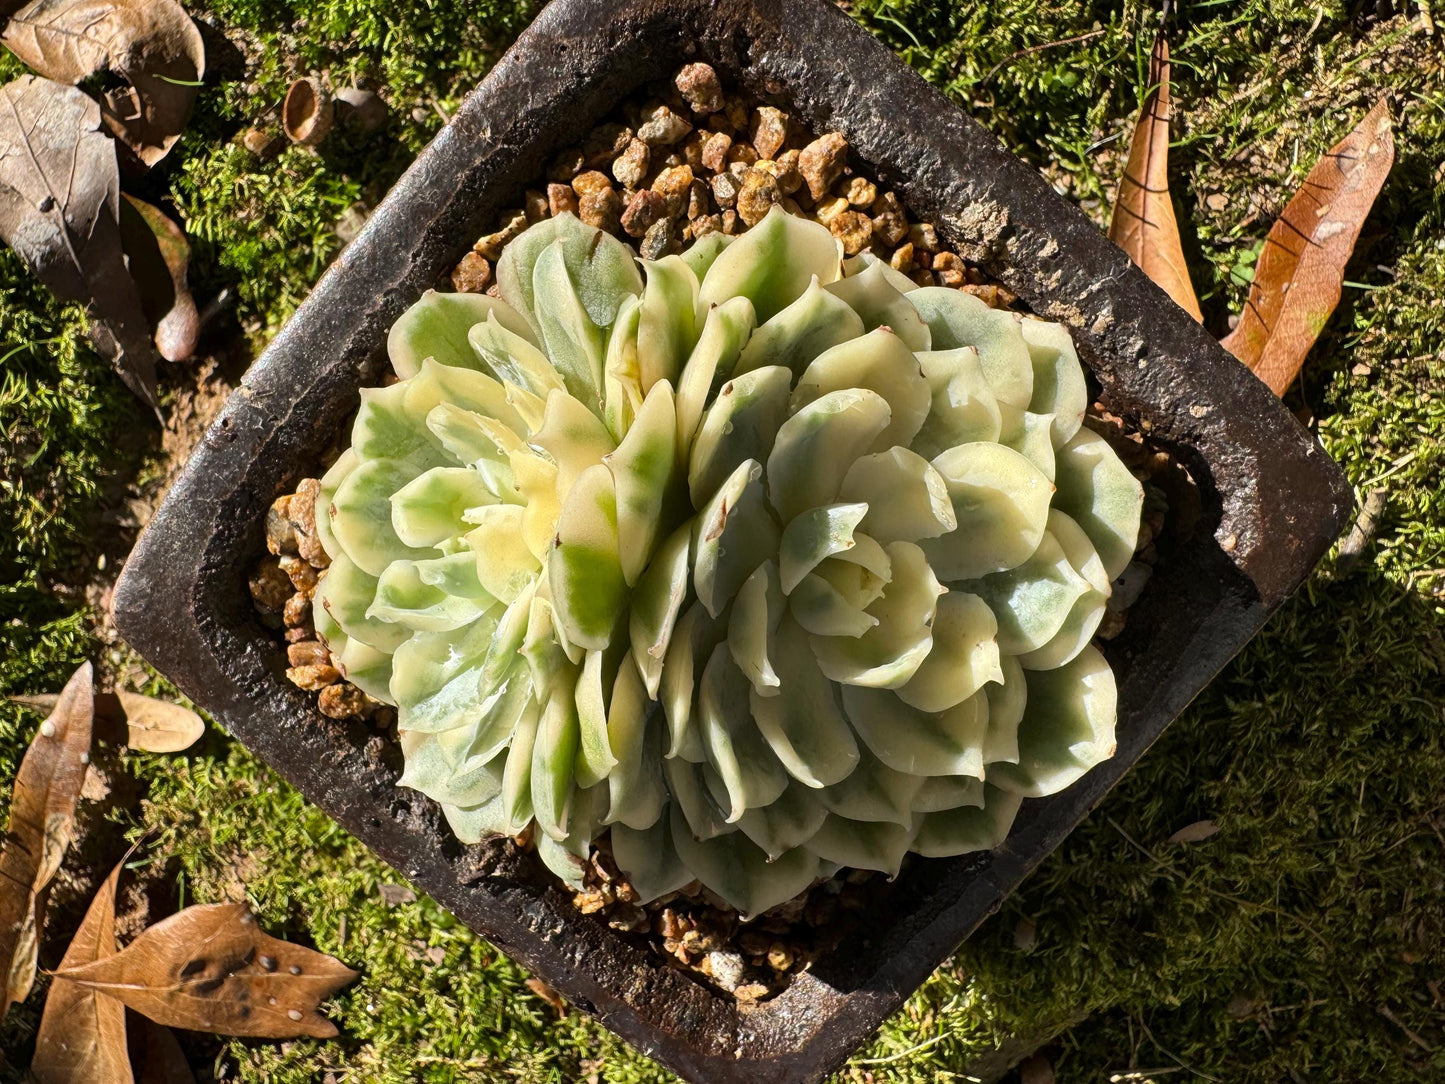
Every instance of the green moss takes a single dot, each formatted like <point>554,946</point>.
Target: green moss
<point>1263,953</point>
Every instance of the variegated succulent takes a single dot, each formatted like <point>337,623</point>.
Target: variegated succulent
<point>770,562</point>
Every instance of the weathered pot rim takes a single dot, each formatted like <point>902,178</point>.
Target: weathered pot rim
<point>1273,500</point>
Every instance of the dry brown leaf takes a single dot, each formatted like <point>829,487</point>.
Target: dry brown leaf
<point>42,813</point>
<point>211,968</point>
<point>159,255</point>
<point>156,1056</point>
<point>1197,832</point>
<point>1301,271</point>
<point>152,44</point>
<point>157,726</point>
<point>1143,224</point>
<point>82,1033</point>
<point>60,211</point>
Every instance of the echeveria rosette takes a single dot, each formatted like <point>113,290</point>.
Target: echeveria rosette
<point>771,563</point>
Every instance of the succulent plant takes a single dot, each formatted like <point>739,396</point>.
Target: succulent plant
<point>772,563</point>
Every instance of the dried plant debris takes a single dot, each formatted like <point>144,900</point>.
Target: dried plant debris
<point>211,968</point>
<point>42,813</point>
<point>1301,271</point>
<point>150,44</point>
<point>82,1033</point>
<point>154,726</point>
<point>159,255</point>
<point>1143,224</point>
<point>60,211</point>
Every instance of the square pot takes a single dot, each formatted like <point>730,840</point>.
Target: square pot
<point>1272,502</point>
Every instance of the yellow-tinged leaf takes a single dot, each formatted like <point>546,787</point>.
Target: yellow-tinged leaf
<point>1301,271</point>
<point>1143,224</point>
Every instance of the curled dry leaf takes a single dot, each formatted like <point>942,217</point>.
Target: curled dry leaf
<point>1301,271</point>
<point>152,44</point>
<point>159,255</point>
<point>157,726</point>
<point>211,968</point>
<point>60,211</point>
<point>42,812</point>
<point>82,1033</point>
<point>1144,225</point>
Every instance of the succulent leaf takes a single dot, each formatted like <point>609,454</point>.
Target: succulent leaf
<point>766,562</point>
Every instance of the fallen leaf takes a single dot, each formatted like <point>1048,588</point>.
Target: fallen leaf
<point>60,211</point>
<point>152,44</point>
<point>1194,833</point>
<point>156,1055</point>
<point>1143,224</point>
<point>211,968</point>
<point>82,1033</point>
<point>1301,271</point>
<point>42,812</point>
<point>158,254</point>
<point>157,726</point>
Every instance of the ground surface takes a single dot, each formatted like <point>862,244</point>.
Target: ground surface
<point>1302,941</point>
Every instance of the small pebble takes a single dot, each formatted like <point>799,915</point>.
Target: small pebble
<point>472,275</point>
<point>691,150</point>
<point>297,611</point>
<point>741,154</point>
<point>902,258</point>
<point>308,653</point>
<point>589,182</point>
<point>890,224</point>
<point>830,209</point>
<point>726,968</point>
<point>725,189</point>
<point>854,229</point>
<point>491,245</point>
<point>698,203</point>
<point>769,130</point>
<point>923,236</point>
<point>756,197</point>
<point>341,701</point>
<point>821,162</point>
<point>730,222</point>
<point>280,534</point>
<point>561,199</point>
<point>700,88</point>
<point>630,167</point>
<point>643,210</point>
<point>949,269</point>
<point>703,225</point>
<point>673,185</point>
<point>601,209</point>
<point>662,127</point>
<point>270,587</point>
<point>658,240</point>
<point>862,192</point>
<point>313,678</point>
